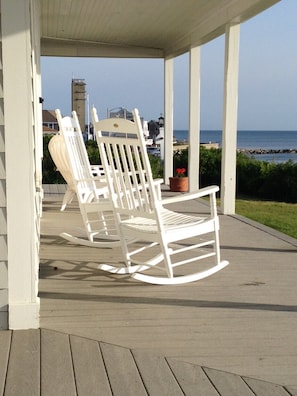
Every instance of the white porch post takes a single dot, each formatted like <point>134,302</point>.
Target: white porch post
<point>229,139</point>
<point>194,119</point>
<point>168,127</point>
<point>20,106</point>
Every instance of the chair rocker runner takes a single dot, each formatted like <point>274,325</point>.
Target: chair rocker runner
<point>165,252</point>
<point>92,192</point>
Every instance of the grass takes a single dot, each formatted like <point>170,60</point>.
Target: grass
<point>278,215</point>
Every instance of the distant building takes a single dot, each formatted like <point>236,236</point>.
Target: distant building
<point>120,112</point>
<point>48,131</point>
<point>49,121</point>
<point>78,93</point>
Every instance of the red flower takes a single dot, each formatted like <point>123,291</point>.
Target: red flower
<point>180,172</point>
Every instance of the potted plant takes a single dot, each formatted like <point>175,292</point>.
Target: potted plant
<point>180,182</point>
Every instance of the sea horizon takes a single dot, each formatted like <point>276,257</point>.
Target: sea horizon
<point>253,140</point>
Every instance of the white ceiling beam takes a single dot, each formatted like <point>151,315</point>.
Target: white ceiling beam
<point>74,48</point>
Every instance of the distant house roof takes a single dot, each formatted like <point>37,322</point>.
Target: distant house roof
<point>49,116</point>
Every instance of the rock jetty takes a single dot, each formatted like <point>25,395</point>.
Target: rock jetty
<point>267,151</point>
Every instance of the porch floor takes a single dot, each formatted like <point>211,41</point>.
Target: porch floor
<point>233,333</point>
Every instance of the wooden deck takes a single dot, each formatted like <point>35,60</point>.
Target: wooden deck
<point>49,363</point>
<point>231,334</point>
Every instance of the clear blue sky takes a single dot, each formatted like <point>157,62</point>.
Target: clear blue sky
<point>267,78</point>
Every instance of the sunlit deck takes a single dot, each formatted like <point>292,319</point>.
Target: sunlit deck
<point>224,335</point>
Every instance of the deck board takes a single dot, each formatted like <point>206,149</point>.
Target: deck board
<point>262,388</point>
<point>72,365</point>
<point>57,377</point>
<point>122,371</point>
<point>192,378</point>
<point>5,342</point>
<point>90,374</point>
<point>23,372</point>
<point>228,384</point>
<point>156,374</point>
<point>203,322</point>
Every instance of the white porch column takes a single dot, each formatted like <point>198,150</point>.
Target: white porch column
<point>229,139</point>
<point>194,119</point>
<point>20,147</point>
<point>168,127</point>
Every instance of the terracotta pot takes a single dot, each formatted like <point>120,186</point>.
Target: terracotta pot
<point>179,184</point>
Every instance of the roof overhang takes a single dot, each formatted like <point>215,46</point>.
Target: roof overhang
<point>145,29</point>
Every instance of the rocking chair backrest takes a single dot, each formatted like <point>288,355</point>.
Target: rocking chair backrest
<point>58,153</point>
<point>78,157</point>
<point>123,152</point>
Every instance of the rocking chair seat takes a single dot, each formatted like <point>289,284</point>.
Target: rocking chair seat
<point>171,222</point>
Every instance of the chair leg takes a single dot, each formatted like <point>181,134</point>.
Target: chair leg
<point>68,197</point>
<point>217,246</point>
<point>167,260</point>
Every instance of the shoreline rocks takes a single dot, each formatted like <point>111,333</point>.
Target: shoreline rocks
<point>267,151</point>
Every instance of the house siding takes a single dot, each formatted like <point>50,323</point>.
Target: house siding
<point>3,211</point>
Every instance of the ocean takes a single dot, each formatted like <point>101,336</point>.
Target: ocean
<point>257,140</point>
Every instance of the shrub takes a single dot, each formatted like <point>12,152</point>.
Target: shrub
<point>50,174</point>
<point>281,182</point>
<point>267,180</point>
<point>250,174</point>
<point>157,166</point>
<point>210,166</point>
<point>93,152</point>
<point>257,179</point>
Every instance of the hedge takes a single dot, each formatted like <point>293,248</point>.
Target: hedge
<point>255,178</point>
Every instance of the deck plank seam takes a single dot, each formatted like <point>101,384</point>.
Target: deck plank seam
<point>105,367</point>
<point>174,375</point>
<point>72,363</point>
<point>7,362</point>
<point>39,337</point>
<point>289,393</point>
<point>247,384</point>
<point>139,372</point>
<point>211,381</point>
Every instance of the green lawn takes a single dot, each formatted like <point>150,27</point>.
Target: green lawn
<point>278,215</point>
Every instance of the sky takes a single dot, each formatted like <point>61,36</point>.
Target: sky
<point>267,97</point>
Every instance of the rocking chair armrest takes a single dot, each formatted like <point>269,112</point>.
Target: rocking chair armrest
<point>192,195</point>
<point>158,181</point>
<point>87,179</point>
<point>157,185</point>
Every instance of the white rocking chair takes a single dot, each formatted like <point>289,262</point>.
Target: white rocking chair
<point>92,192</point>
<point>57,151</point>
<point>165,237</point>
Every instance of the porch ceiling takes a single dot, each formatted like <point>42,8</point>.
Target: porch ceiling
<point>134,28</point>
